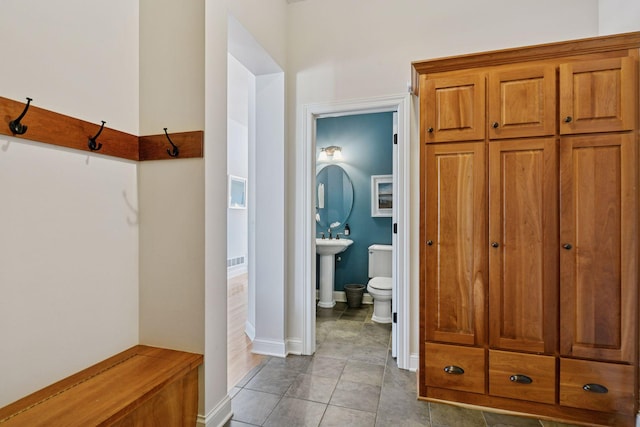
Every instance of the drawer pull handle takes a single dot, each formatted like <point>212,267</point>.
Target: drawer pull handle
<point>429,242</point>
<point>595,388</point>
<point>430,130</point>
<point>520,379</point>
<point>454,370</point>
<point>495,125</point>
<point>568,119</point>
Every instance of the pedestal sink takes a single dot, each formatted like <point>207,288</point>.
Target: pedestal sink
<point>327,249</point>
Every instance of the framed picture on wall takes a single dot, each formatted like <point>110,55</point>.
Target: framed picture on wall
<point>381,195</point>
<point>237,192</point>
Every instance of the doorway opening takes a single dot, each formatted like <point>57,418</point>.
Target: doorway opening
<point>255,224</point>
<point>306,193</point>
<point>240,308</point>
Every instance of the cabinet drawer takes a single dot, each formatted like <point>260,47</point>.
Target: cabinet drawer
<point>522,376</point>
<point>455,367</point>
<point>581,385</point>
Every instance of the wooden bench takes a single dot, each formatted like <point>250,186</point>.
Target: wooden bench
<point>141,386</point>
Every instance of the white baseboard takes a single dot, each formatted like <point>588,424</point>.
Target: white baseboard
<point>218,416</point>
<point>366,298</point>
<point>341,296</point>
<point>269,348</point>
<point>250,330</point>
<point>294,346</point>
<point>414,362</point>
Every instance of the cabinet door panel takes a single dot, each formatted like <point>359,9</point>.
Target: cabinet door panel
<point>455,248</point>
<point>454,108</point>
<point>522,102</point>
<point>523,227</point>
<point>598,96</point>
<point>598,259</point>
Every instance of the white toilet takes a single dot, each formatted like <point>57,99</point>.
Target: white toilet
<point>380,282</point>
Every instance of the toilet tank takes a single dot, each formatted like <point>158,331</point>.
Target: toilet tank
<point>380,260</point>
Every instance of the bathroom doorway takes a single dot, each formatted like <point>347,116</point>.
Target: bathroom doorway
<point>345,185</point>
<point>306,256</point>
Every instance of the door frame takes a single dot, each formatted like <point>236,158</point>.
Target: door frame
<point>305,221</point>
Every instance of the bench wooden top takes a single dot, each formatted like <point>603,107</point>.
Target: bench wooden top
<point>103,392</point>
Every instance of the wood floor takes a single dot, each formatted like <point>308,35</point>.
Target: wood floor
<point>240,360</point>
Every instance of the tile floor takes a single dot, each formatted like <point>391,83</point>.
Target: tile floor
<point>352,381</point>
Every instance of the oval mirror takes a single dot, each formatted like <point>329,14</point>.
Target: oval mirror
<point>334,197</point>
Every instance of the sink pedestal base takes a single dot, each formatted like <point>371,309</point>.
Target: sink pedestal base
<point>327,249</point>
<point>327,271</point>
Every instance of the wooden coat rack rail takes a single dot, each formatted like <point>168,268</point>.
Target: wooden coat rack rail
<point>54,128</point>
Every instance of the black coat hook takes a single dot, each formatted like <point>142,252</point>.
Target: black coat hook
<point>174,152</point>
<point>92,140</point>
<point>16,127</point>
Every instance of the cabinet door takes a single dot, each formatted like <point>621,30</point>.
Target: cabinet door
<point>455,247</point>
<point>522,102</point>
<point>454,108</point>
<point>598,96</point>
<point>523,252</point>
<point>599,253</point>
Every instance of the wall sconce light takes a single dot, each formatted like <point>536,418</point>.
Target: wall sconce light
<point>332,153</point>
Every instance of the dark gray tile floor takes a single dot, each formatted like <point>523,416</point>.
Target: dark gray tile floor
<point>352,381</point>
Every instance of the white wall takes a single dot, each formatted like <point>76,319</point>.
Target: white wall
<point>172,254</point>
<point>618,16</point>
<point>73,57</point>
<point>371,43</point>
<point>69,225</point>
<point>351,49</point>
<point>171,66</point>
<point>172,293</point>
<point>238,154</point>
<point>270,230</point>
<point>68,269</point>
<point>172,193</point>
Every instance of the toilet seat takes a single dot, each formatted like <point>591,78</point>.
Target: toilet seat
<point>381,283</point>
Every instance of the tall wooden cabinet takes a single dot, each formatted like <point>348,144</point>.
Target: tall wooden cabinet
<point>529,229</point>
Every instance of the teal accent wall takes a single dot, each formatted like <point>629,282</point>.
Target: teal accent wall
<point>367,148</point>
